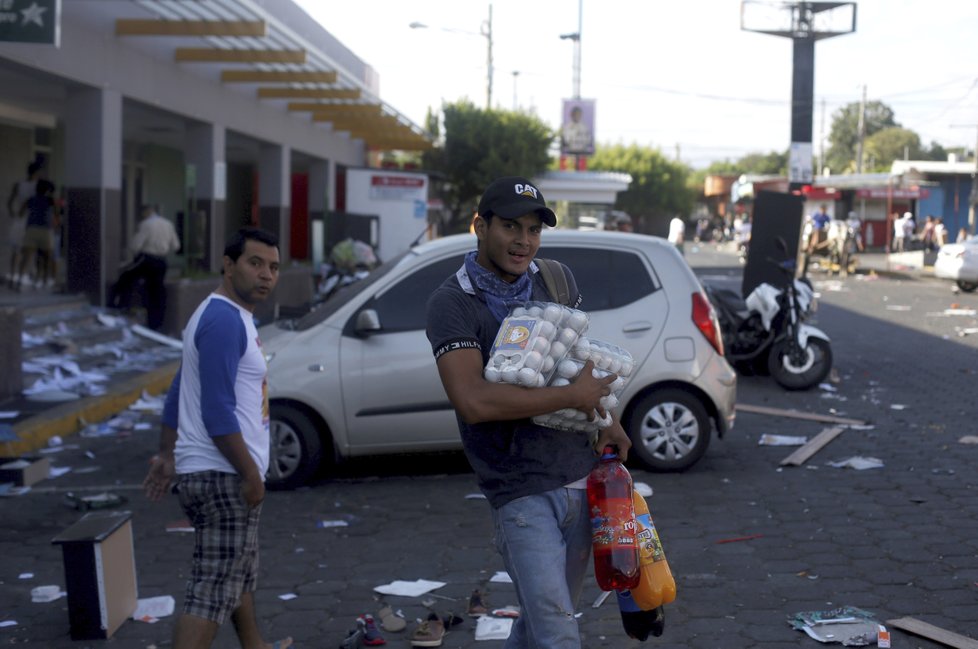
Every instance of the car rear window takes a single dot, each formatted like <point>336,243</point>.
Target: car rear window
<point>607,279</point>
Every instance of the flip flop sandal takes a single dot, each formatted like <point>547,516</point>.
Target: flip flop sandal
<point>389,621</point>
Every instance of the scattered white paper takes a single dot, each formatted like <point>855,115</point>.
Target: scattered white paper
<point>969,439</point>
<point>7,623</point>
<point>9,414</point>
<point>324,524</point>
<point>643,489</point>
<point>409,588</point>
<point>768,439</point>
<point>15,464</point>
<point>858,462</point>
<point>827,387</point>
<point>143,425</point>
<point>25,575</point>
<point>150,609</point>
<point>897,406</point>
<point>57,471</point>
<point>287,596</point>
<point>502,577</point>
<point>493,628</point>
<point>897,307</point>
<point>42,594</point>
<point>475,496</point>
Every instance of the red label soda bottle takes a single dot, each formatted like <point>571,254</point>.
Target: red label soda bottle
<point>609,499</point>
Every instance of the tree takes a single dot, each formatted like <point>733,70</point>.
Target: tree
<point>658,190</point>
<point>894,143</point>
<point>844,136</point>
<point>480,145</point>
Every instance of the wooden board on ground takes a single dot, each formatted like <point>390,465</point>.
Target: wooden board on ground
<point>814,445</point>
<point>781,412</point>
<point>935,633</point>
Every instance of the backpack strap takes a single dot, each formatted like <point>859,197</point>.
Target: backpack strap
<point>554,278</point>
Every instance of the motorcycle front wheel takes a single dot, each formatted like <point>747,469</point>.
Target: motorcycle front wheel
<point>797,368</point>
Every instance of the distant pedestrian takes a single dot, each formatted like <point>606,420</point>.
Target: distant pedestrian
<point>677,232</point>
<point>940,232</point>
<point>962,235</point>
<point>899,232</point>
<point>38,247</point>
<point>155,238</point>
<point>215,439</point>
<point>20,193</point>
<point>927,233</point>
<point>909,230</point>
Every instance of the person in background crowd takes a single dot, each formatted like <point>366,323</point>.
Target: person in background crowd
<point>940,232</point>
<point>154,240</point>
<point>20,193</point>
<point>215,440</point>
<point>38,235</point>
<point>677,232</point>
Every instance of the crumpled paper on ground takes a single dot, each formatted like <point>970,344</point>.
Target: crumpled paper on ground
<point>851,626</point>
<point>493,628</point>
<point>408,588</point>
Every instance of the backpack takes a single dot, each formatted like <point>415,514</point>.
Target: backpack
<point>555,279</point>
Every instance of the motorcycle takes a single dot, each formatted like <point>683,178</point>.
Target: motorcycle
<point>767,331</point>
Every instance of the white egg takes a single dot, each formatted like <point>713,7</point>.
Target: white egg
<point>580,416</point>
<point>517,312</point>
<point>557,350</point>
<point>533,360</point>
<point>540,344</point>
<point>547,329</point>
<point>560,382</point>
<point>626,368</point>
<point>567,336</point>
<point>617,384</point>
<point>568,369</point>
<point>541,380</point>
<point>527,377</point>
<point>508,375</point>
<point>577,321</point>
<point>581,351</point>
<point>548,364</point>
<point>609,402</point>
<point>603,361</point>
<point>535,311</point>
<point>492,375</point>
<point>615,366</point>
<point>553,313</point>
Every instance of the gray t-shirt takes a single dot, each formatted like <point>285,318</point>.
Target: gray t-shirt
<point>511,458</point>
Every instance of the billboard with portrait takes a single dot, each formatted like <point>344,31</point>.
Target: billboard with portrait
<point>577,127</point>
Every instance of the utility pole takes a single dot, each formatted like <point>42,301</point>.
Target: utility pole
<point>516,73</point>
<point>821,142</point>
<point>861,132</point>
<point>487,32</point>
<point>799,24</point>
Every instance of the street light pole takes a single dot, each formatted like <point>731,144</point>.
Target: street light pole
<point>516,73</point>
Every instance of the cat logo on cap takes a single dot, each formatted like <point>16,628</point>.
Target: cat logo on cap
<point>526,190</point>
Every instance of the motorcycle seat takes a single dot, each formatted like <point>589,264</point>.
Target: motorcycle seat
<point>730,301</point>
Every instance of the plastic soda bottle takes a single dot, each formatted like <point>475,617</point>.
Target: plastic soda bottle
<point>638,623</point>
<point>656,585</point>
<point>609,498</point>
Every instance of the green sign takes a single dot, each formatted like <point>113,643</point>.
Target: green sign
<point>30,21</point>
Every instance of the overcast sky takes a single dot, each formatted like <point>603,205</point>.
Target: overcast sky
<point>678,75</point>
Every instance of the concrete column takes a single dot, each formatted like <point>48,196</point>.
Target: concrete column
<point>320,200</point>
<point>205,147</point>
<point>274,193</point>
<point>93,181</point>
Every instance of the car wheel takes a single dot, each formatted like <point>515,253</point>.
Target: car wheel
<point>967,287</point>
<point>669,429</point>
<point>295,448</point>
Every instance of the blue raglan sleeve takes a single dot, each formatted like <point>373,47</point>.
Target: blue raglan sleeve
<point>171,406</point>
<point>221,341</point>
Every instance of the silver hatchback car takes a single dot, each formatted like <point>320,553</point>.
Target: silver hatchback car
<point>356,376</point>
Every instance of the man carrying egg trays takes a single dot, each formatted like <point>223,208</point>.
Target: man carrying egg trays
<point>543,343</point>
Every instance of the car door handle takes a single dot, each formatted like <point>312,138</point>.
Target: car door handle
<point>636,326</point>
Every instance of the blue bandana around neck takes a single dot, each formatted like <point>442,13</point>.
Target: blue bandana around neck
<point>498,294</point>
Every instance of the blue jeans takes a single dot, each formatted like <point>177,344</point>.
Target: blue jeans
<point>545,542</point>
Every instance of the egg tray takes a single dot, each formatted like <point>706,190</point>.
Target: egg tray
<point>531,341</point>
<point>608,359</point>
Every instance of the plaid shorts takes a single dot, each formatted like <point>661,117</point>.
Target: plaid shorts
<point>225,543</point>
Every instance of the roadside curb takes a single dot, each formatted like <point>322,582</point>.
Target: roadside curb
<point>66,419</point>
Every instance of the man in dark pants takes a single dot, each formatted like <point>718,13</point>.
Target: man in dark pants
<point>154,240</point>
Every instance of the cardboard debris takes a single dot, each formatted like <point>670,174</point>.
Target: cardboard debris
<point>768,439</point>
<point>918,627</point>
<point>801,455</point>
<point>795,414</point>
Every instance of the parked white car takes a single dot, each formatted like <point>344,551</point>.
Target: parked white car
<point>357,377</point>
<point>959,261</point>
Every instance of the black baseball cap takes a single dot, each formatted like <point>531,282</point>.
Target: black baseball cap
<point>511,197</point>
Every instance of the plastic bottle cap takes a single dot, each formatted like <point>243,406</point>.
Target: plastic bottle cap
<point>608,453</point>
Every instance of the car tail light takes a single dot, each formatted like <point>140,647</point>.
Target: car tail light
<point>706,321</point>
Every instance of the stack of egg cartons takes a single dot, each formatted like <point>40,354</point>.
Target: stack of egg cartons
<point>608,359</point>
<point>531,341</point>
